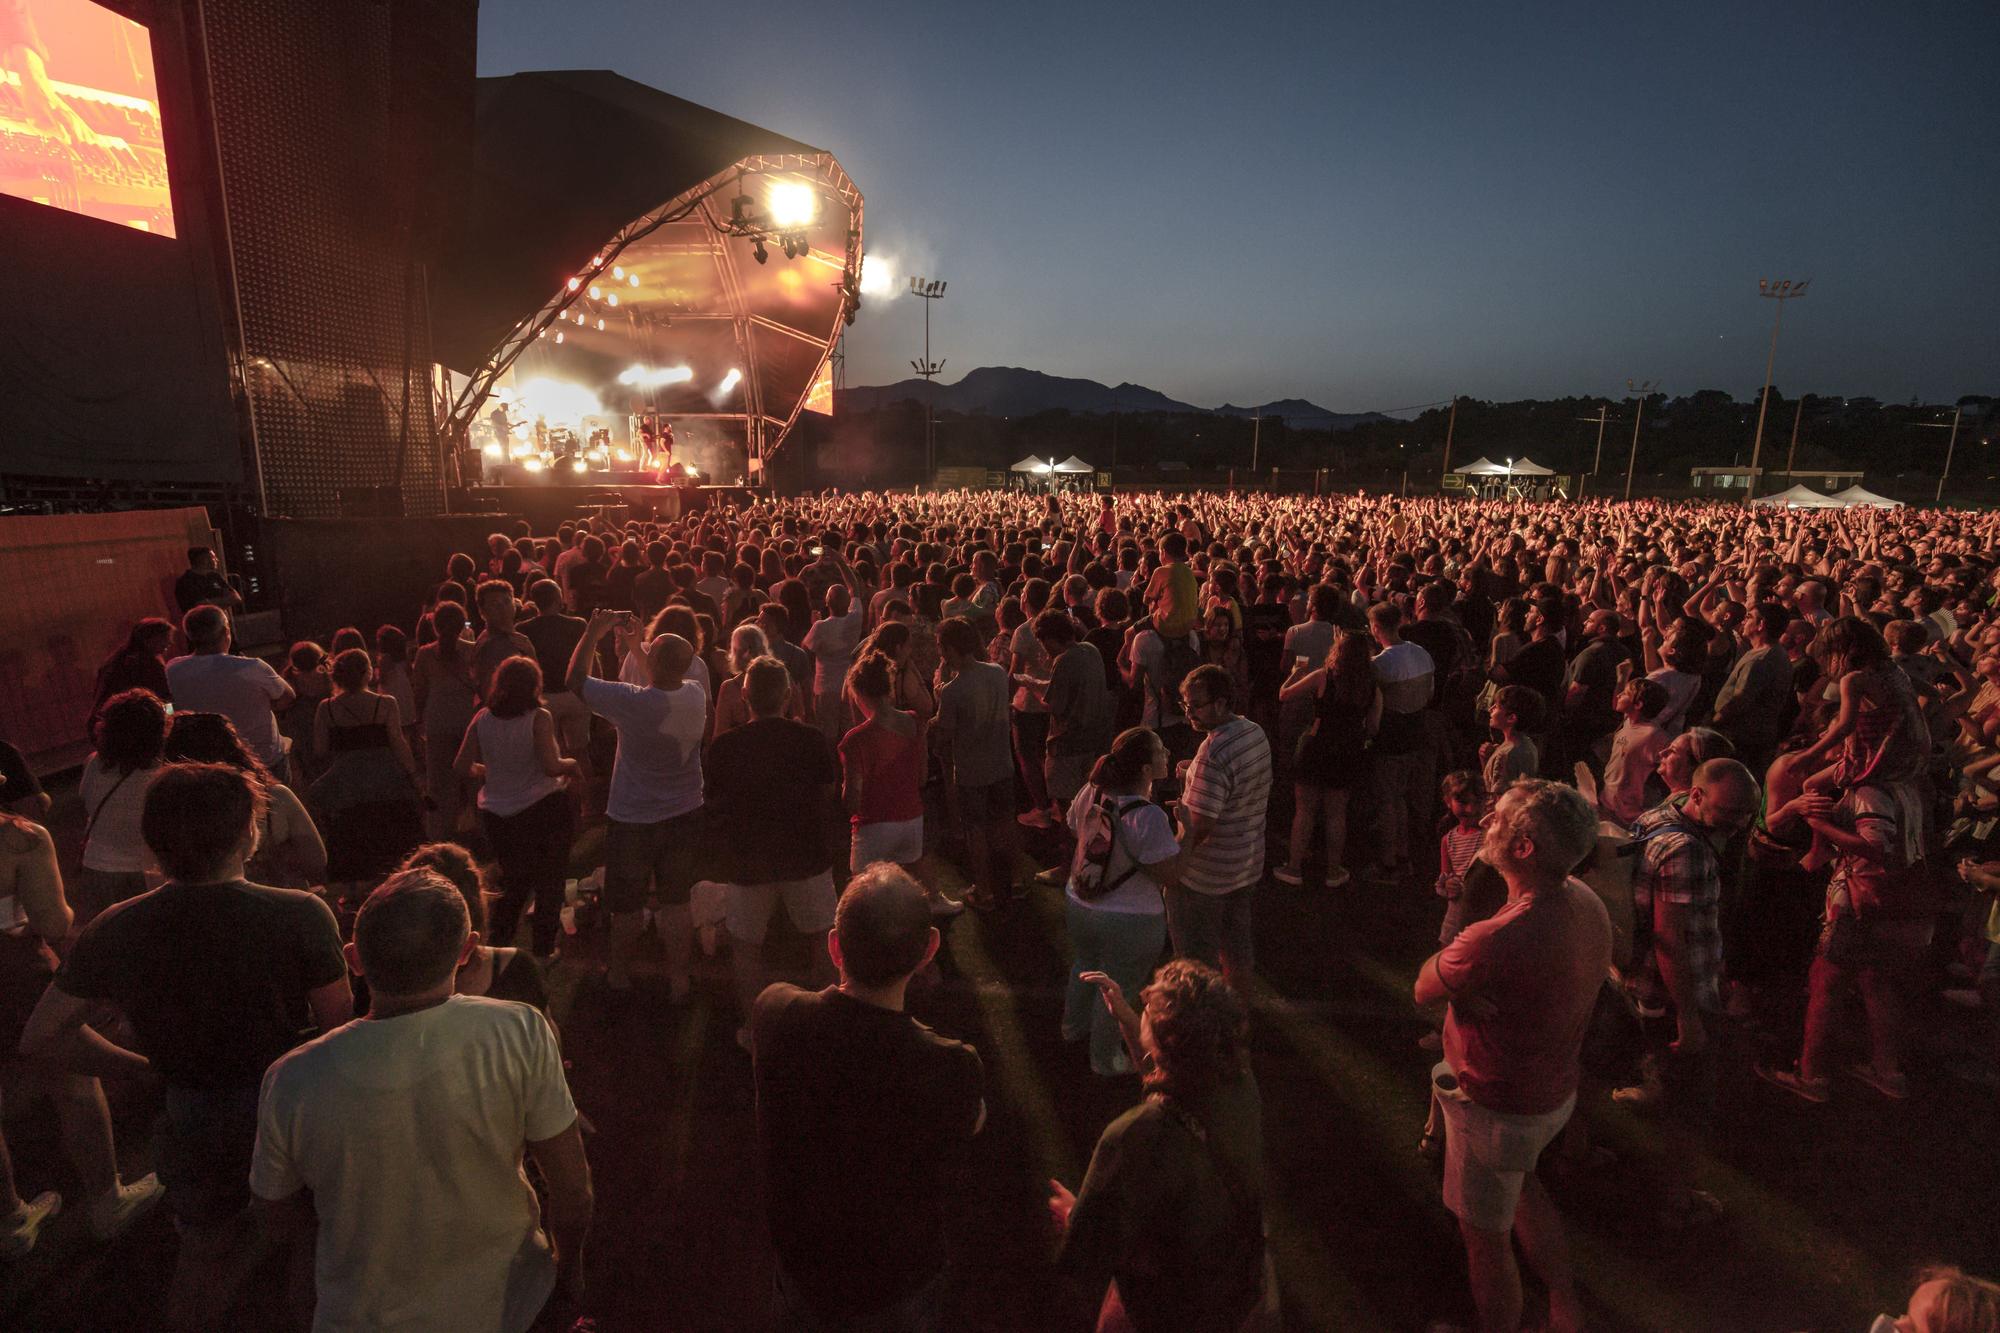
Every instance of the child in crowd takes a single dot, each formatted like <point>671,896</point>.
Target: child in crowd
<point>1635,750</point>
<point>1516,711</point>
<point>1465,804</point>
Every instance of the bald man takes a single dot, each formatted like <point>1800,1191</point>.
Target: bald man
<point>654,810</point>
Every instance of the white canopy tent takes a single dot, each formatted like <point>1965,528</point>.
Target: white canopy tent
<point>1481,467</point>
<point>1861,495</point>
<point>1799,497</point>
<point>1032,464</point>
<point>1073,465</point>
<point>1518,467</point>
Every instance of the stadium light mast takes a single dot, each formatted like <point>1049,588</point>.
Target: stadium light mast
<point>1603,415</point>
<point>931,290</point>
<point>1639,390</point>
<point>1781,291</point>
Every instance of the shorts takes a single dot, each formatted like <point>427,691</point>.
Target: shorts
<point>988,803</point>
<point>1066,774</point>
<point>202,1147</point>
<point>572,719</point>
<point>1209,926</point>
<point>901,841</point>
<point>1488,1154</point>
<point>651,860</point>
<point>809,902</point>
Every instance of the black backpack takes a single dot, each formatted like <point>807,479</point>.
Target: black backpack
<point>1096,841</point>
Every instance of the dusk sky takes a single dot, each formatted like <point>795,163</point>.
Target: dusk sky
<point>1378,206</point>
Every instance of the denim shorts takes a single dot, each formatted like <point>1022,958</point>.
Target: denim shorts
<point>202,1147</point>
<point>660,858</point>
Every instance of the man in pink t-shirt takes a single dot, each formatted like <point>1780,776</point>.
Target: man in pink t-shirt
<point>1521,985</point>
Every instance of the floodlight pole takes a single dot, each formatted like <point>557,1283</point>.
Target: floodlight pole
<point>1780,291</point>
<point>1640,390</point>
<point>1792,454</point>
<point>1603,414</point>
<point>1451,424</point>
<point>930,290</point>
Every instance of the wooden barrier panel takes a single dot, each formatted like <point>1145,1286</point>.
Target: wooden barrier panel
<point>70,587</point>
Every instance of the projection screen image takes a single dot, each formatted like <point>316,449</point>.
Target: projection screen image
<point>80,113</point>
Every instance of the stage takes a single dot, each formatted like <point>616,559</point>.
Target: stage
<point>546,505</point>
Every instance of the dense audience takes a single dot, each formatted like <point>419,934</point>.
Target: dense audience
<point>1678,782</point>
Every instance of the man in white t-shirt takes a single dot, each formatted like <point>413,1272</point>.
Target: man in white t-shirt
<point>402,1135</point>
<point>243,689</point>
<point>832,641</point>
<point>655,803</point>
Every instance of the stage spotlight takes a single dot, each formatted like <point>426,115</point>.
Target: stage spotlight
<point>600,323</point>
<point>632,280</point>
<point>531,465</point>
<point>596,292</point>
<point>559,335</point>
<point>759,253</point>
<point>617,270</point>
<point>730,381</point>
<point>494,450</point>
<point>878,274</point>
<point>575,283</point>
<point>791,203</point>
<point>612,300</point>
<point>579,465</point>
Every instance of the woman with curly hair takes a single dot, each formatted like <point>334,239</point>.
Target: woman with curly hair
<point>1171,1209</point>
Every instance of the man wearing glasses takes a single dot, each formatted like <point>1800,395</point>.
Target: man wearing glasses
<point>1223,800</point>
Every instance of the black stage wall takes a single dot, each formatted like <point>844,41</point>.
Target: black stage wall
<point>365,572</point>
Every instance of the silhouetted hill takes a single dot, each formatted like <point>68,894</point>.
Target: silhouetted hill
<point>1010,391</point>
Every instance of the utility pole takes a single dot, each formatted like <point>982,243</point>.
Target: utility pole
<point>930,290</point>
<point>1792,454</point>
<point>1951,445</point>
<point>1450,424</point>
<point>1256,432</point>
<point>1603,414</point>
<point>1781,292</point>
<point>1640,390</point>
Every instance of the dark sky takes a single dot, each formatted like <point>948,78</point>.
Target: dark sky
<point>1382,205</point>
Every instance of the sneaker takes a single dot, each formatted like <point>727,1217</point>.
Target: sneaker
<point>1287,875</point>
<point>1638,1094</point>
<point>1893,1086</point>
<point>1963,998</point>
<point>1037,818</point>
<point>19,1233</point>
<point>1337,877</point>
<point>944,905</point>
<point>1815,1090</point>
<point>1650,1008</point>
<point>113,1213</point>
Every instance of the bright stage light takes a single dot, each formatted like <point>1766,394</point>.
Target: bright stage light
<point>559,400</point>
<point>617,270</point>
<point>531,465</point>
<point>730,381</point>
<point>600,323</point>
<point>692,472</point>
<point>579,466</point>
<point>624,455</point>
<point>630,281</point>
<point>575,283</point>
<point>596,292</point>
<point>878,275</point>
<point>653,377</point>
<point>791,204</point>
<point>559,336</point>
<point>494,450</point>
<point>614,299</point>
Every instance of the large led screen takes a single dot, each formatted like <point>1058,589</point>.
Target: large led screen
<point>80,113</point>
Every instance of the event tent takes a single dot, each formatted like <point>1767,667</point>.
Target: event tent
<point>1030,464</point>
<point>1799,497</point>
<point>1520,467</point>
<point>1861,495</point>
<point>1073,464</point>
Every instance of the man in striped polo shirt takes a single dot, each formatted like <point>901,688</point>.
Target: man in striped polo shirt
<point>1227,789</point>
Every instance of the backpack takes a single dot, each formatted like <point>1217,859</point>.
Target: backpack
<point>1096,840</point>
<point>1180,657</point>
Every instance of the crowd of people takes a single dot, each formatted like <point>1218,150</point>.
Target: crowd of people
<point>1679,781</point>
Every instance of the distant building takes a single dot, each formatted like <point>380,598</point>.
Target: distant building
<point>1738,479</point>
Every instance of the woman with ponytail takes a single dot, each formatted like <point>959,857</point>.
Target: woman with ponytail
<point>1126,855</point>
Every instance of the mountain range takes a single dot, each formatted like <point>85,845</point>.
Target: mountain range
<point>1010,391</point>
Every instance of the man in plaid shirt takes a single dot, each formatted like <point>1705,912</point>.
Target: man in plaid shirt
<point>1679,883</point>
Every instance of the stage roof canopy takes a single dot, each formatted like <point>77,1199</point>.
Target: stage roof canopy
<point>608,238</point>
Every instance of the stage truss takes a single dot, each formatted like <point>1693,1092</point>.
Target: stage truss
<point>711,230</point>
